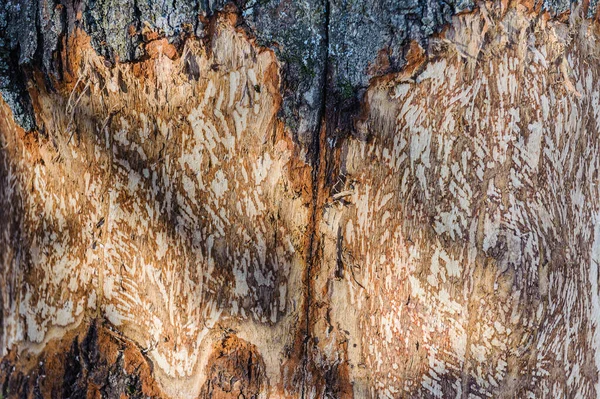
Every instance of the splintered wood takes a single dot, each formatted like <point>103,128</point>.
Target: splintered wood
<point>171,212</point>
<point>457,254</point>
<point>470,243</point>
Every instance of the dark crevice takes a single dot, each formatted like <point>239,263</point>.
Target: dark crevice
<point>318,165</point>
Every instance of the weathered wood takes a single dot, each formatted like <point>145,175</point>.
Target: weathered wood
<point>467,254</point>
<point>194,202</point>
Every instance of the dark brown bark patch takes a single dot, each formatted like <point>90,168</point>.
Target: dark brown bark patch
<point>235,370</point>
<point>89,363</point>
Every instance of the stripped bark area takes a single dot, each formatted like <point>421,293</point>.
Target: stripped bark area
<point>167,232</point>
<point>463,260</point>
<point>166,198</point>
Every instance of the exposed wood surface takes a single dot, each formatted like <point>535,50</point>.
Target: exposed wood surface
<point>164,233</point>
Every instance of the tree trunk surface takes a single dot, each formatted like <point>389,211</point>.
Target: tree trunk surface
<point>316,199</point>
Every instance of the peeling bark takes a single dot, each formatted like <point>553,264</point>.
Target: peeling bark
<point>299,199</point>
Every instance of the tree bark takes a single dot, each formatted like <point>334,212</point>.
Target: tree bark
<point>318,199</point>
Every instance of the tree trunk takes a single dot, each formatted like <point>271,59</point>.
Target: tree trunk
<point>316,199</point>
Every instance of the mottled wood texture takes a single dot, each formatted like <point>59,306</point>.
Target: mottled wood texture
<point>463,261</point>
<point>162,218</point>
<point>165,199</point>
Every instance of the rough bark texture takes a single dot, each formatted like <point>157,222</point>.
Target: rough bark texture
<point>325,199</point>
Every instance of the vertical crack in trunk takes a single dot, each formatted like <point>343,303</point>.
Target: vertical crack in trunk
<point>318,172</point>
